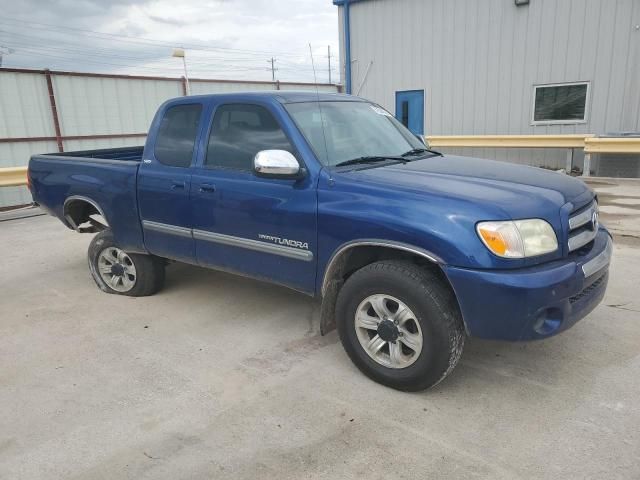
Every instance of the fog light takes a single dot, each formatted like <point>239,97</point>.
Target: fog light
<point>548,321</point>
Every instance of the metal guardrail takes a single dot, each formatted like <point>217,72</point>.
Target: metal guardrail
<point>612,145</point>
<point>608,145</point>
<point>587,142</point>
<point>15,176</point>
<point>508,141</point>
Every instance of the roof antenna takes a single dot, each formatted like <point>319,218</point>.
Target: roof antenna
<point>315,81</point>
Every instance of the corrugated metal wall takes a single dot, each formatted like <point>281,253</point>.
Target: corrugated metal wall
<point>24,112</point>
<point>107,106</point>
<point>89,105</point>
<point>479,60</point>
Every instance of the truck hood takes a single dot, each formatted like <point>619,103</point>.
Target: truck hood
<point>515,189</point>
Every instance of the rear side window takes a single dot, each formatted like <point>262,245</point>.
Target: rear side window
<point>177,135</point>
<point>239,132</point>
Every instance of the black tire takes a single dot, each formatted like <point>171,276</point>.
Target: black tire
<point>149,270</point>
<point>435,308</point>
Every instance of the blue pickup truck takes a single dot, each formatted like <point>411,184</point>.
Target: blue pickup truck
<point>409,250</point>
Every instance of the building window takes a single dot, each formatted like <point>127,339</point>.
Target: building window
<point>560,103</point>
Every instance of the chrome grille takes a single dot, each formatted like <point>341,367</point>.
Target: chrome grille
<point>583,226</point>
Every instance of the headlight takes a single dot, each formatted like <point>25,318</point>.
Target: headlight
<point>519,238</point>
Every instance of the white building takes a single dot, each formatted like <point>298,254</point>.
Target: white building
<point>480,67</point>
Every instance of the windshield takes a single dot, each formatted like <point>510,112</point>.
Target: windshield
<point>352,130</point>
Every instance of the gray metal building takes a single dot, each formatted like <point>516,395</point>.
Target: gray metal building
<point>485,67</point>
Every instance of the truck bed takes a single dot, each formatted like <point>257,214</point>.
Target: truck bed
<point>121,153</point>
<point>68,182</point>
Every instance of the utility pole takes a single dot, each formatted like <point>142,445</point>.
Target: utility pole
<point>273,69</point>
<point>329,58</point>
<point>4,51</point>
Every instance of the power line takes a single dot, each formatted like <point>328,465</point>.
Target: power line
<point>153,62</point>
<point>153,54</point>
<point>28,43</point>
<point>155,59</point>
<point>203,61</point>
<point>30,52</point>
<point>171,70</point>
<point>129,39</point>
<point>18,45</point>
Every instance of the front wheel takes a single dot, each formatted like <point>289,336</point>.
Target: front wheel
<point>400,324</point>
<point>118,272</point>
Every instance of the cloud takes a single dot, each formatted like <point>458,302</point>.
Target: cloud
<point>223,38</point>
<point>169,21</point>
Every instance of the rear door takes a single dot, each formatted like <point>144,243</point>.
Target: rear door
<point>164,182</point>
<point>262,227</point>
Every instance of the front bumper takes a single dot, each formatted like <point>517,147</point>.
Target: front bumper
<point>533,303</point>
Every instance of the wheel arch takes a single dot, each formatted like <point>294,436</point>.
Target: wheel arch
<point>356,254</point>
<point>343,254</point>
<point>77,209</point>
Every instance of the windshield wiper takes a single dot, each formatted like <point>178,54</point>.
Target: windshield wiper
<point>381,158</point>
<point>370,159</point>
<point>419,151</point>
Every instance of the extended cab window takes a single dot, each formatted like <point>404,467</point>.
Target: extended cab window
<point>241,131</point>
<point>177,135</point>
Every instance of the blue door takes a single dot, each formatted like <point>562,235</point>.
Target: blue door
<point>410,110</point>
<point>262,227</point>
<point>164,183</point>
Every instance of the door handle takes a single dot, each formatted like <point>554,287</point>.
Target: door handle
<point>207,187</point>
<point>178,185</point>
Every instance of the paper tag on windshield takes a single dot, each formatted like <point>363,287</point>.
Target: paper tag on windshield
<point>380,111</point>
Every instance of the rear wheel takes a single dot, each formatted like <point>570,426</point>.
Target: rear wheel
<point>400,325</point>
<point>116,271</point>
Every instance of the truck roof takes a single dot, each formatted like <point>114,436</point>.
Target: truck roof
<point>284,96</point>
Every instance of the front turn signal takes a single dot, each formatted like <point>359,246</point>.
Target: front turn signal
<point>519,238</point>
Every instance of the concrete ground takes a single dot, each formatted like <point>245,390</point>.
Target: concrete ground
<point>224,377</point>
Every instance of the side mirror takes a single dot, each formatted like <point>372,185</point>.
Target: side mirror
<point>276,164</point>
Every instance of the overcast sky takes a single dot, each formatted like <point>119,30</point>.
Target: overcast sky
<point>222,38</point>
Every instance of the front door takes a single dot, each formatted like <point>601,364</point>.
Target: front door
<point>410,110</point>
<point>164,183</point>
<point>262,227</point>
